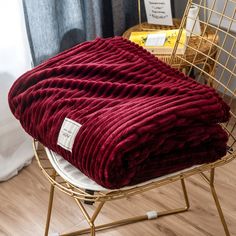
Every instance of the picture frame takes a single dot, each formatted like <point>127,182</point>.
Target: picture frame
<point>152,27</point>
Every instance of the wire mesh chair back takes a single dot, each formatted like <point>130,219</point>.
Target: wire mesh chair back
<point>218,67</point>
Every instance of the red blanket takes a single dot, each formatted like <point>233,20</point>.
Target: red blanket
<point>118,114</point>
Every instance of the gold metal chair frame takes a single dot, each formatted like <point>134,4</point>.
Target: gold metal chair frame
<point>216,78</point>
<point>81,195</point>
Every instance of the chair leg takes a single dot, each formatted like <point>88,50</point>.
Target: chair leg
<point>51,195</point>
<point>217,203</point>
<point>185,194</point>
<point>93,230</point>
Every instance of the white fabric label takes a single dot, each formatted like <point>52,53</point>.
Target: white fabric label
<point>155,40</point>
<point>67,134</point>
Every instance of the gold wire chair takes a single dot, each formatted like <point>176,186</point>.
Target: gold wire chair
<point>221,77</point>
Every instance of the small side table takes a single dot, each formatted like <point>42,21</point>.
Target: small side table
<point>197,57</point>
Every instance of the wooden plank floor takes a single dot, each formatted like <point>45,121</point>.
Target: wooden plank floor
<point>23,206</point>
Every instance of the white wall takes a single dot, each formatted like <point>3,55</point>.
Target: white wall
<point>15,144</point>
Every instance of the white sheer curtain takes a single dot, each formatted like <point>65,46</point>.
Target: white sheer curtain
<point>15,59</point>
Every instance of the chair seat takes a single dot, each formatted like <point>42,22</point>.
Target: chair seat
<point>74,176</point>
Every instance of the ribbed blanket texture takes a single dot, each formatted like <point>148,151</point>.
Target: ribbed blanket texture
<point>139,117</point>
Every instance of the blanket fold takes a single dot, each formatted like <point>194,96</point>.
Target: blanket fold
<point>119,114</point>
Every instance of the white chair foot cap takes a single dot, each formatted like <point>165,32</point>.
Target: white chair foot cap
<point>152,215</point>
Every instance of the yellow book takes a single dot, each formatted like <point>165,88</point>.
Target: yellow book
<point>160,42</point>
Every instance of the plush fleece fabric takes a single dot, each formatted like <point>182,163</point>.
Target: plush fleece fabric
<point>139,117</point>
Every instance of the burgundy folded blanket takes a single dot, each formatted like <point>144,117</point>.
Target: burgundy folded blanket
<point>118,114</point>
